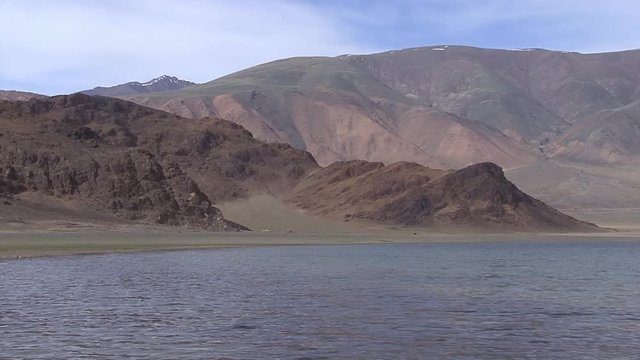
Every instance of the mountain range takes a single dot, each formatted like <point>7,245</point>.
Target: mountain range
<point>161,83</point>
<point>571,116</point>
<point>565,126</point>
<point>93,154</point>
<point>12,95</point>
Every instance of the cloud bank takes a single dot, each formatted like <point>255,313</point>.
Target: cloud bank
<point>64,46</point>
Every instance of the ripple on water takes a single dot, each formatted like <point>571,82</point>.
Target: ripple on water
<point>463,301</point>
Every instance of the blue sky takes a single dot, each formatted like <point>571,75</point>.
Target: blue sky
<point>62,46</point>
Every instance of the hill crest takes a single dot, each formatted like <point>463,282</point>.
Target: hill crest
<point>161,83</point>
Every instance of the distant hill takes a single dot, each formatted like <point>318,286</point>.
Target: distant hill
<point>13,95</point>
<point>162,83</point>
<point>339,112</point>
<point>468,98</point>
<point>536,96</point>
<point>528,110</point>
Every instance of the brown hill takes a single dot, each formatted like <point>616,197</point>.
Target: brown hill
<point>404,103</point>
<point>338,111</point>
<point>537,96</point>
<point>136,162</point>
<point>608,136</point>
<point>448,107</point>
<point>13,95</point>
<point>476,197</point>
<point>97,157</point>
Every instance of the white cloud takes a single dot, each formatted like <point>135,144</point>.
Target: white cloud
<point>68,45</point>
<point>65,46</point>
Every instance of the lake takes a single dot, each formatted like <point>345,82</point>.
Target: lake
<point>502,300</point>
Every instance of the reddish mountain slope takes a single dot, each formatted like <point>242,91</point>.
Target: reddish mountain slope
<point>136,162</point>
<point>337,111</point>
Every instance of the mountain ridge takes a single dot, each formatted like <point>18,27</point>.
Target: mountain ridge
<point>161,83</point>
<point>14,95</point>
<point>448,106</point>
<point>135,162</point>
<point>139,164</point>
<point>336,112</point>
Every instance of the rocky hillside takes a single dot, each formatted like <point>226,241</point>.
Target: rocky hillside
<point>162,83</point>
<point>12,95</point>
<point>476,197</point>
<point>338,111</point>
<point>138,163</point>
<point>538,97</point>
<point>454,104</point>
<point>570,119</point>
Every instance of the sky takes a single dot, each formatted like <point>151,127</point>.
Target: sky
<point>64,46</point>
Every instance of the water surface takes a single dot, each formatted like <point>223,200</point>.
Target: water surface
<point>400,301</point>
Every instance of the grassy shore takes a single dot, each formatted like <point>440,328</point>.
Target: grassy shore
<point>15,245</point>
<point>28,231</point>
<point>33,244</point>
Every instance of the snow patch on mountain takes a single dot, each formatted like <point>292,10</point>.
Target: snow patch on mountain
<point>166,79</point>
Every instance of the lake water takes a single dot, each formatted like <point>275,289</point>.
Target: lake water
<point>426,301</point>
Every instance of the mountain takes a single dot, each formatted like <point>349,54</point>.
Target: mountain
<point>534,95</point>
<point>137,163</point>
<point>562,124</point>
<point>455,104</point>
<point>469,96</point>
<point>84,155</point>
<point>162,83</point>
<point>13,95</point>
<point>337,111</point>
<point>605,136</point>
<point>476,197</point>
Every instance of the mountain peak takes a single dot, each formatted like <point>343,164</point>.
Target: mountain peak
<point>167,79</point>
<point>14,95</point>
<point>160,83</point>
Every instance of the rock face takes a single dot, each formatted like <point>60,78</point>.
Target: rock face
<point>476,197</point>
<point>136,162</point>
<point>162,83</point>
<point>146,165</point>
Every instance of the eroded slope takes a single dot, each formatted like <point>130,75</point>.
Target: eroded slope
<point>136,162</point>
<point>476,197</point>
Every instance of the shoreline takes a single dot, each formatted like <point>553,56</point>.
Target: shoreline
<point>43,243</point>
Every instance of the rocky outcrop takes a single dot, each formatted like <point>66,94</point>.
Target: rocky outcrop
<point>133,185</point>
<point>138,163</point>
<point>476,197</point>
<point>146,165</point>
